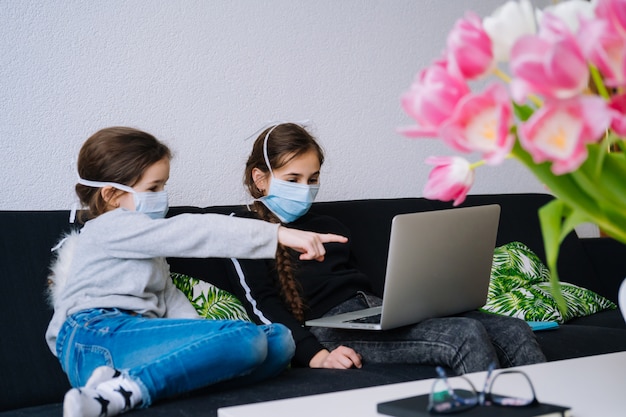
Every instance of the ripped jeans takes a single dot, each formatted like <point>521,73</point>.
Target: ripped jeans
<point>171,356</point>
<point>467,342</point>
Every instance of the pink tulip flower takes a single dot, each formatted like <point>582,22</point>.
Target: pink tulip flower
<point>618,121</point>
<point>559,131</point>
<point>551,64</point>
<point>613,11</point>
<point>431,100</point>
<point>469,50</point>
<point>605,47</point>
<point>482,123</point>
<point>451,179</point>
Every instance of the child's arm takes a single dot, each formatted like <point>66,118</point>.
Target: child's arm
<point>309,244</point>
<point>133,235</point>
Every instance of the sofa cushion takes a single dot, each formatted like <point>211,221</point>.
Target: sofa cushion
<point>536,303</point>
<point>520,287</point>
<point>607,318</point>
<point>607,257</point>
<point>515,265</point>
<point>574,341</point>
<point>30,373</point>
<point>210,301</point>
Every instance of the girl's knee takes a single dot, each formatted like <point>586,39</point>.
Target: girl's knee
<point>257,342</point>
<point>279,337</point>
<point>520,326</point>
<point>278,331</point>
<point>242,341</point>
<point>272,349</point>
<point>280,341</point>
<point>473,330</point>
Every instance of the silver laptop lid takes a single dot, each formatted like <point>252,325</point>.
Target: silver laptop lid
<point>439,263</point>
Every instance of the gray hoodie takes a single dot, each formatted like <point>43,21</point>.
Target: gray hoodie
<point>118,261</point>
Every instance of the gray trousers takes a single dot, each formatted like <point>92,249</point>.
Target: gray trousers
<point>468,342</point>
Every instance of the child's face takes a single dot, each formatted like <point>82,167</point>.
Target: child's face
<point>303,169</point>
<point>153,179</point>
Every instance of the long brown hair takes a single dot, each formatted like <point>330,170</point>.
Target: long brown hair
<point>285,142</point>
<point>115,154</point>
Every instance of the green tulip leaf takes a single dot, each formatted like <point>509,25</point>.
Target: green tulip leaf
<point>557,221</point>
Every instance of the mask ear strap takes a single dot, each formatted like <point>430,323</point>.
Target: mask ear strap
<point>100,184</point>
<point>73,210</point>
<point>96,184</point>
<point>267,159</point>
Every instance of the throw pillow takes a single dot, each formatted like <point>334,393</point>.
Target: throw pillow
<point>520,287</point>
<point>580,301</point>
<point>531,304</point>
<point>514,266</point>
<point>209,301</point>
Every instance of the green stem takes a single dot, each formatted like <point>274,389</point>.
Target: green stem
<point>482,162</point>
<point>598,82</point>
<point>477,164</point>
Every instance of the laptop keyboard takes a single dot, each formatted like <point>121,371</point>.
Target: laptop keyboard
<point>367,319</point>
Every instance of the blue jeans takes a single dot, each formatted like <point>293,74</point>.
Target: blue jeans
<point>171,356</point>
<point>465,343</point>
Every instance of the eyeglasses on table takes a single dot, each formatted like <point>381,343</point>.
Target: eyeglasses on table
<point>452,396</point>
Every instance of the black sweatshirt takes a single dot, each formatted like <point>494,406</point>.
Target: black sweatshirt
<point>323,284</point>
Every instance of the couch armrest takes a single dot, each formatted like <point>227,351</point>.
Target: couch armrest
<point>607,257</point>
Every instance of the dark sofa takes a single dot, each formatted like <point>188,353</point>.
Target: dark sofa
<point>32,383</point>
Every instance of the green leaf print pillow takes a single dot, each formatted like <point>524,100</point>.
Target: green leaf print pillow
<point>209,301</point>
<point>520,287</point>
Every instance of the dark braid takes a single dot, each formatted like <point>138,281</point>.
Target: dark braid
<point>289,286</point>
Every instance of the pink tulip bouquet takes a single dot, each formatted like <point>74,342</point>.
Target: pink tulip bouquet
<point>555,99</point>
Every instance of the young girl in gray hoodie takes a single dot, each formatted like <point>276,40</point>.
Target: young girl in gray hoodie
<point>123,333</point>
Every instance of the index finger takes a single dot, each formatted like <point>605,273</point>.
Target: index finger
<point>330,237</point>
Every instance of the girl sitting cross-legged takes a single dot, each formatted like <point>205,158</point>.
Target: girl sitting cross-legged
<point>123,333</point>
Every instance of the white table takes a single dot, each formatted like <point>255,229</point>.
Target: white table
<point>593,386</point>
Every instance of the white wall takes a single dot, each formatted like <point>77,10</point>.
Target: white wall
<point>203,75</point>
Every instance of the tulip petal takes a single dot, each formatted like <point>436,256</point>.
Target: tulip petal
<point>451,179</point>
<point>559,131</point>
<point>481,123</point>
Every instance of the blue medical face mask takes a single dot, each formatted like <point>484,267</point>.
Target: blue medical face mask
<point>287,200</point>
<point>154,204</point>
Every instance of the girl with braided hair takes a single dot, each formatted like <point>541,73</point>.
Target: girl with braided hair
<point>282,175</point>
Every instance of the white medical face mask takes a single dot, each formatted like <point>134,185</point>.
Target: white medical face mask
<point>287,200</point>
<point>154,204</point>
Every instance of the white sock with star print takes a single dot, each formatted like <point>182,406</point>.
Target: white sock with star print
<point>109,398</point>
<point>101,374</point>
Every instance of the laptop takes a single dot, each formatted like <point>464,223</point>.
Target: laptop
<point>439,264</point>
